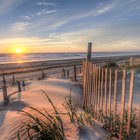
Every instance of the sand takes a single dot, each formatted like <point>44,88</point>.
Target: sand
<point>57,89</point>
<point>12,68</point>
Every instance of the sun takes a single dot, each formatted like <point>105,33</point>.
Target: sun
<point>19,50</point>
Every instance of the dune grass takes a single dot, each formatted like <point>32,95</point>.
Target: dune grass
<point>46,127</point>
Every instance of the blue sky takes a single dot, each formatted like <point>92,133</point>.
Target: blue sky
<point>68,25</point>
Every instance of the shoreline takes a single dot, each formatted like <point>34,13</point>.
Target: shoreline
<point>32,66</point>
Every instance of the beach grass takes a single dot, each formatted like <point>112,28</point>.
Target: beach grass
<point>47,126</point>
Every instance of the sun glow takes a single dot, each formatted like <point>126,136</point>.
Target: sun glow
<point>19,50</point>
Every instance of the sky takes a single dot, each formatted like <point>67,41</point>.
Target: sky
<point>68,25</point>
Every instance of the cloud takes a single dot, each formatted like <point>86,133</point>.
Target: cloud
<point>20,26</point>
<point>39,13</point>
<point>62,20</point>
<point>103,10</point>
<point>44,3</point>
<point>24,40</point>
<point>44,12</point>
<point>26,17</point>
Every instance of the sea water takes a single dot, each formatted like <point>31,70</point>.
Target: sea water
<point>11,58</point>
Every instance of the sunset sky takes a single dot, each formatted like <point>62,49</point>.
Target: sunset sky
<point>68,25</point>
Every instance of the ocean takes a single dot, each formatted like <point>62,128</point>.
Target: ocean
<point>12,58</point>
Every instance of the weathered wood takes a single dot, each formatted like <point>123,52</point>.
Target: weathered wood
<point>19,86</point>
<point>92,98</point>
<point>84,82</point>
<point>89,85</point>
<point>23,83</point>
<point>96,91</point>
<point>63,72</point>
<point>91,81</point>
<point>75,78</point>
<point>89,51</point>
<point>42,75</point>
<point>99,89</point>
<point>68,73</point>
<point>85,68</point>
<point>123,103</point>
<point>138,127</point>
<point>115,95</point>
<point>5,97</point>
<point>4,81</point>
<point>110,91</point>
<point>14,81</point>
<point>102,88</point>
<point>93,89</point>
<point>130,100</point>
<point>105,97</point>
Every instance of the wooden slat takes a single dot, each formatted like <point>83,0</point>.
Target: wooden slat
<point>94,88</point>
<point>130,100</point>
<point>75,77</point>
<point>105,92</point>
<point>91,98</point>
<point>4,81</point>
<point>110,91</point>
<point>90,84</point>
<point>86,84</point>
<point>123,103</point>
<point>115,95</point>
<point>102,88</point>
<point>84,73</point>
<point>5,97</point>
<point>99,89</point>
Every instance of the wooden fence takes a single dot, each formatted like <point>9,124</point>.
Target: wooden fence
<point>100,86</point>
<point>18,82</point>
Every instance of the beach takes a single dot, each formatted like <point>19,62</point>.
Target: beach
<point>57,87</point>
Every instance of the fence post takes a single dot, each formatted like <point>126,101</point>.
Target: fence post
<point>87,82</point>
<point>90,84</point>
<point>96,90</point>
<point>75,78</point>
<point>5,97</point>
<point>4,81</point>
<point>19,86</point>
<point>42,74</point>
<point>110,91</point>
<point>63,71</point>
<point>105,98</point>
<point>23,83</point>
<point>14,79</point>
<point>67,73</point>
<point>84,83</point>
<point>123,103</point>
<point>130,100</point>
<point>89,51</point>
<point>102,88</point>
<point>99,86</point>
<point>115,95</point>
